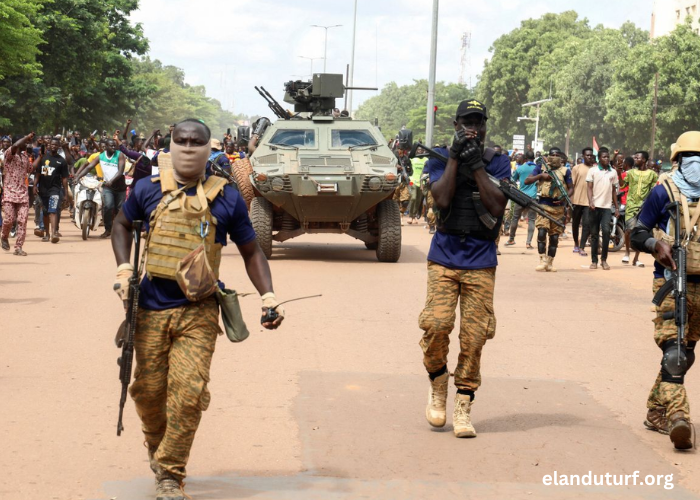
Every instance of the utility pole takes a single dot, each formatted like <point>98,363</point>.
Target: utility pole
<point>325,43</point>
<point>653,116</point>
<point>352,60</point>
<point>430,110</point>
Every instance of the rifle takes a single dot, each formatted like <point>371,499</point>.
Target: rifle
<point>275,106</point>
<point>127,344</point>
<point>678,286</point>
<point>507,187</point>
<point>557,181</point>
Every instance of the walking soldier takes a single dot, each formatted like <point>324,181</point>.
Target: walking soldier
<point>190,216</point>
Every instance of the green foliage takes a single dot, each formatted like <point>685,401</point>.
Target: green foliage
<point>630,99</point>
<point>397,106</point>
<point>19,38</point>
<point>505,83</point>
<point>87,74</point>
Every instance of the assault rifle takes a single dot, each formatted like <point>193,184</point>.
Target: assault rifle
<point>127,342</point>
<point>557,182</point>
<point>678,286</point>
<point>275,106</point>
<point>507,187</point>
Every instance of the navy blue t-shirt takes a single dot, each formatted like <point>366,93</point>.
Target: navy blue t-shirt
<point>452,250</point>
<point>231,214</point>
<point>550,201</point>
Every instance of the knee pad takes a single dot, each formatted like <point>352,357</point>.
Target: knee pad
<point>674,363</point>
<point>541,240</point>
<point>553,240</point>
<point>690,352</point>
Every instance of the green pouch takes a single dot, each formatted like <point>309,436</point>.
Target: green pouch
<point>235,328</point>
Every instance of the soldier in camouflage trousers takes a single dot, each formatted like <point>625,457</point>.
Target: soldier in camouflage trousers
<point>461,267</point>
<point>668,411</point>
<point>176,336</point>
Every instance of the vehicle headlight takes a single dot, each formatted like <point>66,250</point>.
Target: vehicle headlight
<point>277,184</point>
<point>374,184</point>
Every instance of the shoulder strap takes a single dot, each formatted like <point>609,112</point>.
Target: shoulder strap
<point>213,187</point>
<point>167,180</point>
<point>164,160</point>
<point>675,194</point>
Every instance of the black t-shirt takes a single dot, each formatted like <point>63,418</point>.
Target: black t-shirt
<point>51,172</point>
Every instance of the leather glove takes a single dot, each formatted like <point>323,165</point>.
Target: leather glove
<point>121,282</point>
<point>269,300</point>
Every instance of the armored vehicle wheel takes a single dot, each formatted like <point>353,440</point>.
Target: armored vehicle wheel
<point>371,246</point>
<point>240,174</point>
<point>261,217</point>
<point>389,218</point>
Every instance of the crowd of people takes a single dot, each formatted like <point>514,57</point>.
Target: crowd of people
<point>592,193</point>
<point>42,173</point>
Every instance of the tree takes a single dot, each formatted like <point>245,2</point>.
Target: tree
<point>85,67</point>
<point>19,39</point>
<point>630,98</point>
<point>397,106</point>
<point>504,84</point>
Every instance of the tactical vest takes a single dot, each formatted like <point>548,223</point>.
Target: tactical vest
<point>690,213</point>
<point>180,224</point>
<point>548,189</point>
<point>462,216</point>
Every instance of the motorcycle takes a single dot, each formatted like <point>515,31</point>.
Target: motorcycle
<point>617,229</point>
<point>88,205</point>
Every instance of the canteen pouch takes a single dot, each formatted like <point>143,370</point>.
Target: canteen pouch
<point>235,327</point>
<point>195,276</point>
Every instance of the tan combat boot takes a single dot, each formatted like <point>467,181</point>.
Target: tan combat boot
<point>435,412</point>
<point>542,266</point>
<point>550,265</point>
<point>656,420</point>
<point>680,431</point>
<point>461,420</point>
<point>168,488</point>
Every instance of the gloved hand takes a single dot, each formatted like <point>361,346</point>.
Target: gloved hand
<point>121,282</point>
<point>471,156</point>
<point>269,300</point>
<point>458,143</point>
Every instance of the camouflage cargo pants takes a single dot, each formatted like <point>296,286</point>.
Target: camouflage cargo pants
<point>173,350</point>
<point>558,213</point>
<point>673,396</point>
<point>402,194</point>
<point>474,289</point>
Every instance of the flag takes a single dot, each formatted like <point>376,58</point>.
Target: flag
<point>595,147</point>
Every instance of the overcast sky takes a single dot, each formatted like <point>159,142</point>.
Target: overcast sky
<point>231,45</point>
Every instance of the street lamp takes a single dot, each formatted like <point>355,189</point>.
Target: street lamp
<point>325,44</point>
<point>536,119</point>
<point>312,59</point>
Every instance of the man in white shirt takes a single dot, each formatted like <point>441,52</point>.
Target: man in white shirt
<point>602,188</point>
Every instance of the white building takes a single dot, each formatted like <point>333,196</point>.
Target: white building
<point>667,14</point>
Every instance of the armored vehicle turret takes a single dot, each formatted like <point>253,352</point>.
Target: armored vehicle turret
<point>314,172</point>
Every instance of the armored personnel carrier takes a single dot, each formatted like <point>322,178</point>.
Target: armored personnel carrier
<point>316,173</point>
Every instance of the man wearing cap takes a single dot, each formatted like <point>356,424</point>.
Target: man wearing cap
<point>552,201</point>
<point>668,410</point>
<point>461,264</point>
<point>218,161</point>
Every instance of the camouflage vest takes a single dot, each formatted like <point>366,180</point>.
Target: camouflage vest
<point>180,224</point>
<point>548,189</point>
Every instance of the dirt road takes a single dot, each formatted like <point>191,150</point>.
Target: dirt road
<point>331,406</point>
